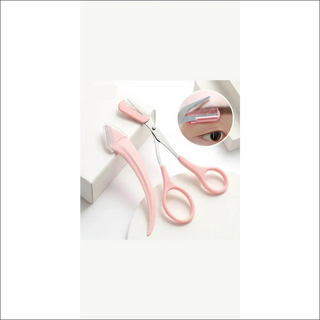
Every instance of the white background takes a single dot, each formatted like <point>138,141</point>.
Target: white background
<point>165,279</point>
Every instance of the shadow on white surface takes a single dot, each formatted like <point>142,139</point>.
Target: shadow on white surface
<point>84,205</point>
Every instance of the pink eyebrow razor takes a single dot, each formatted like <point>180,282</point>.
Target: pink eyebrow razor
<point>201,116</point>
<point>139,116</point>
<point>117,141</point>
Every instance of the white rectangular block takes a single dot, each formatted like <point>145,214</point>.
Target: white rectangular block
<point>234,88</point>
<point>99,105</point>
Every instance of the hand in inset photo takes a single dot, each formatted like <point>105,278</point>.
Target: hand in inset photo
<point>205,118</point>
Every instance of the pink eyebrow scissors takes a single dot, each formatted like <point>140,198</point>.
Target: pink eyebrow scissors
<point>139,116</point>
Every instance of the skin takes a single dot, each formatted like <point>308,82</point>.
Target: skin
<point>194,132</point>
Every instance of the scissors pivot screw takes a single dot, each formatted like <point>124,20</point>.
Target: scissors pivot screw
<point>154,128</point>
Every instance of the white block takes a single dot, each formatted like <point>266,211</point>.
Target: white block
<point>99,105</point>
<point>234,89</point>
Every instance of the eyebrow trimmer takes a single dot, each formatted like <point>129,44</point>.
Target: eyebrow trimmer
<point>198,115</point>
<point>117,141</point>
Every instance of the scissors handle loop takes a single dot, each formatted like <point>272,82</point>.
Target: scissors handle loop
<point>200,173</point>
<point>167,186</point>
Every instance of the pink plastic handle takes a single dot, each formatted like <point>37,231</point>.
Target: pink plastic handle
<point>127,109</point>
<point>208,118</point>
<point>127,150</point>
<point>167,186</point>
<point>200,173</point>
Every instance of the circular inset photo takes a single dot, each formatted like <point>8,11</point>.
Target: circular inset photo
<point>205,118</point>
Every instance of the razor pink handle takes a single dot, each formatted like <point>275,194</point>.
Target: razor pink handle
<point>126,108</point>
<point>126,149</point>
<point>167,186</point>
<point>200,173</point>
<point>205,119</point>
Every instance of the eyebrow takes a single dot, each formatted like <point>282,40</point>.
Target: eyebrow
<point>222,109</point>
<point>225,110</point>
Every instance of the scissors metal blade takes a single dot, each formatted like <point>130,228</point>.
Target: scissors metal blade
<point>157,134</point>
<point>159,137</point>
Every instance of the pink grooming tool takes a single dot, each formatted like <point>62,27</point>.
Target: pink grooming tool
<point>167,183</point>
<point>212,117</point>
<point>200,174</point>
<point>167,186</point>
<point>193,114</point>
<point>126,108</point>
<point>118,142</point>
